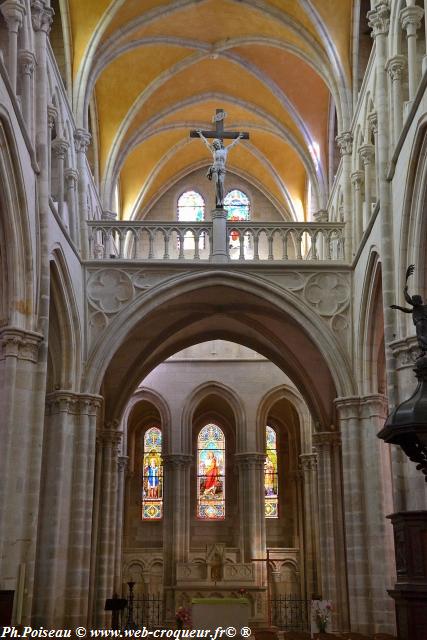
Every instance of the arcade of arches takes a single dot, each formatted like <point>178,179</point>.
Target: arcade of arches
<point>184,388</point>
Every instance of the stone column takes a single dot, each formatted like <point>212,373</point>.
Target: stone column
<point>122,468</point>
<point>81,511</point>
<point>357,181</point>
<point>379,20</point>
<point>252,510</point>
<point>367,501</point>
<point>320,244</point>
<point>219,240</point>
<point>352,462</point>
<point>82,140</point>
<point>13,12</point>
<point>308,464</point>
<point>176,528</point>
<point>63,563</point>
<point>71,178</point>
<point>345,145</point>
<point>410,18</point>
<point>60,148</point>
<point>333,577</point>
<point>19,354</point>
<point>367,155</point>
<point>27,63</point>
<point>424,65</point>
<point>106,498</point>
<point>395,66</point>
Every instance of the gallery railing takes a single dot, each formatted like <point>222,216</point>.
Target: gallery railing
<point>208,241</point>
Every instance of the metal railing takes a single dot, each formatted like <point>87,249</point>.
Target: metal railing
<point>239,242</point>
<point>290,613</point>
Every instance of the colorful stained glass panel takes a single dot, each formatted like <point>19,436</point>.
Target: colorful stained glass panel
<point>191,207</point>
<point>152,480</point>
<point>270,475</point>
<point>211,473</point>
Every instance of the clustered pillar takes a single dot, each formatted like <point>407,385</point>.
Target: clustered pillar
<point>176,541</point>
<point>331,533</point>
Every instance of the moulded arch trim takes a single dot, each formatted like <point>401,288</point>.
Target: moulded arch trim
<point>367,321</point>
<point>145,394</point>
<point>66,304</point>
<point>293,396</point>
<point>412,245</point>
<point>195,398</point>
<point>18,246</point>
<point>320,338</point>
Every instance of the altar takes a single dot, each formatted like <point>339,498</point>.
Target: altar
<point>210,613</point>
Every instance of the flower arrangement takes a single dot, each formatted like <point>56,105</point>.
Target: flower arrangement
<point>242,592</point>
<point>182,617</point>
<point>322,616</point>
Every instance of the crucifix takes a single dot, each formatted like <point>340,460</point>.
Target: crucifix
<point>267,561</point>
<point>216,171</point>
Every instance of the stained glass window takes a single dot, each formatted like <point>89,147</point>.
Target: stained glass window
<point>211,473</point>
<point>191,207</point>
<point>152,479</point>
<point>237,205</point>
<point>270,474</point>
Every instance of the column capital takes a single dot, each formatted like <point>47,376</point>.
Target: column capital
<point>357,178</point>
<point>411,18</point>
<point>42,16</point>
<point>406,351</point>
<point>122,462</point>
<point>27,62</point>
<point>367,153</point>
<point>177,459</point>
<point>20,344</point>
<point>373,122</point>
<point>52,114</point>
<point>323,439</point>
<point>250,460</point>
<point>395,66</point>
<point>62,402</point>
<point>321,216</point>
<point>374,405</point>
<point>348,407</point>
<point>60,147</point>
<point>13,11</point>
<point>345,143</point>
<point>110,435</point>
<point>379,19</point>
<point>308,462</point>
<point>82,140</point>
<point>71,176</point>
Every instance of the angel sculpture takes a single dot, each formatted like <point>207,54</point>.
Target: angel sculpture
<point>418,311</point>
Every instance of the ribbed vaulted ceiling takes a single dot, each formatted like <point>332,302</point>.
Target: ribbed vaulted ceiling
<point>151,70</point>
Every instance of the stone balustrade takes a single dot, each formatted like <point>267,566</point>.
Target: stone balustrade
<point>243,241</point>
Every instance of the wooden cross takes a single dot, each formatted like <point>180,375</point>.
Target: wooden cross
<point>267,561</point>
<point>219,132</point>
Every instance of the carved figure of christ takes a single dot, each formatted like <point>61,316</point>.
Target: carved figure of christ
<point>217,170</point>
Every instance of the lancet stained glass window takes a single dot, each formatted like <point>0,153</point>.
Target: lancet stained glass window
<point>152,479</point>
<point>191,207</point>
<point>237,205</point>
<point>270,474</point>
<point>211,473</point>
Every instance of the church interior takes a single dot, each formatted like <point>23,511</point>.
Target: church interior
<point>197,345</point>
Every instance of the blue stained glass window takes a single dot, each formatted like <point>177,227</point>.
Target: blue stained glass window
<point>270,474</point>
<point>237,205</point>
<point>211,473</point>
<point>152,479</point>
